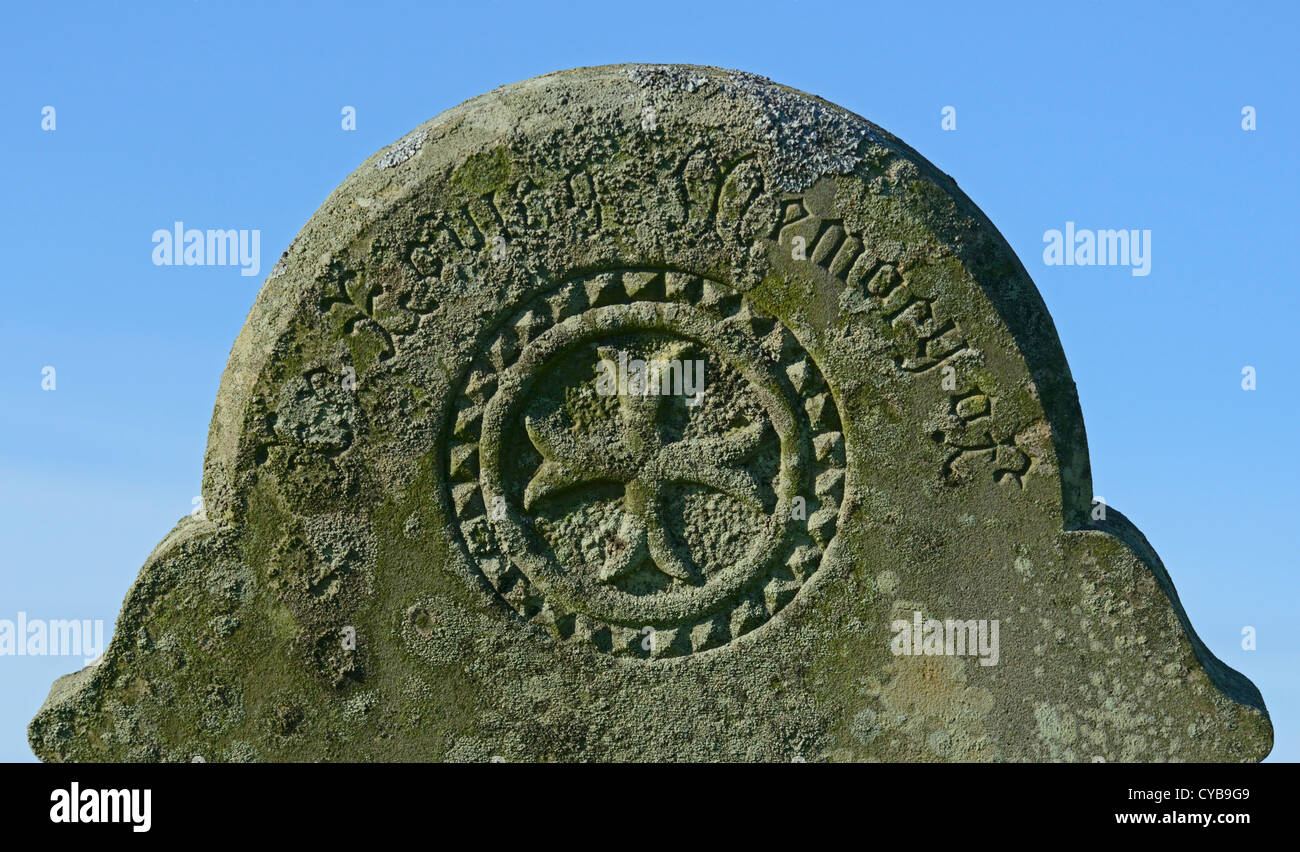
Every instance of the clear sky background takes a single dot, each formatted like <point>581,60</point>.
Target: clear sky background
<point>225,115</point>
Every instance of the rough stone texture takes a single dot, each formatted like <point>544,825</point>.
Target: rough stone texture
<point>498,536</point>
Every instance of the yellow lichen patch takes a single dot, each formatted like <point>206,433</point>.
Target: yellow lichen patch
<point>930,710</point>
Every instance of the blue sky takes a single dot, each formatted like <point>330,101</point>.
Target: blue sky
<point>225,115</point>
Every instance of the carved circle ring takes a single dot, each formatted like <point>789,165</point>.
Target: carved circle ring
<point>642,461</point>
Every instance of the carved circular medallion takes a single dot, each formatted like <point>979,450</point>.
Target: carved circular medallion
<point>642,461</point>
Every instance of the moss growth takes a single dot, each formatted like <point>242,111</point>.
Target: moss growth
<point>484,173</point>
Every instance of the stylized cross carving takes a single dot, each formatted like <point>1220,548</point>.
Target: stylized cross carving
<point>644,464</point>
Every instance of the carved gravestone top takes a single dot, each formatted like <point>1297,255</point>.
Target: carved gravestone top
<point>650,412</point>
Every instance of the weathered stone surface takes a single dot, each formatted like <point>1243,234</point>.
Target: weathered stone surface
<point>471,552</point>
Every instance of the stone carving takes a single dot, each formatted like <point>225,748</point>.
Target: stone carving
<point>650,413</point>
<point>721,505</point>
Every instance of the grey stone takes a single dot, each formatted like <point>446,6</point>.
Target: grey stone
<point>430,533</point>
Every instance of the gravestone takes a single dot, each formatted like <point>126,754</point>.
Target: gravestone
<point>650,413</point>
